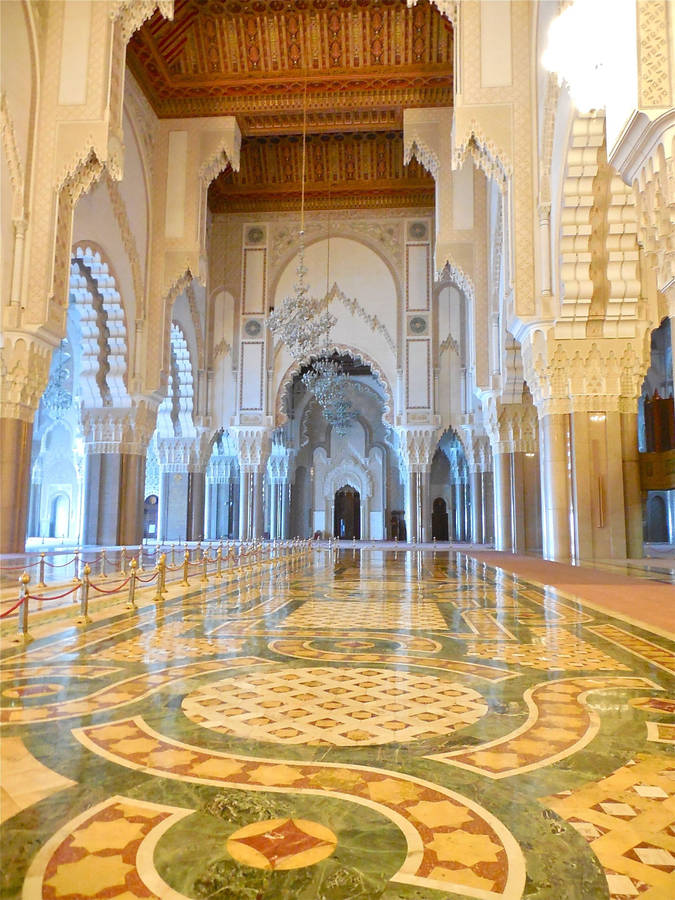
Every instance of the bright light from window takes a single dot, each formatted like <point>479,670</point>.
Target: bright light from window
<point>592,47</point>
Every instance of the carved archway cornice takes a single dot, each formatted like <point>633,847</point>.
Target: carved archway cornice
<point>280,410</point>
<point>486,155</point>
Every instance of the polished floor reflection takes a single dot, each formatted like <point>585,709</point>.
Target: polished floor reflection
<point>373,725</point>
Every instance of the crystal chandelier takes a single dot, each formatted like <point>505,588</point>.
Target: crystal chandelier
<point>302,322</point>
<point>330,384</point>
<point>57,399</point>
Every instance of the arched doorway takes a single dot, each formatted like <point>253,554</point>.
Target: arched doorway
<point>150,507</point>
<point>347,516</point>
<point>657,520</point>
<point>439,520</point>
<point>59,516</point>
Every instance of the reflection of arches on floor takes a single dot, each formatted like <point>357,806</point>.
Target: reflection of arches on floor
<point>657,520</point>
<point>59,516</point>
<point>347,518</point>
<point>439,520</point>
<point>150,508</point>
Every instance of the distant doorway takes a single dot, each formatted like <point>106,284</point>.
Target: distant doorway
<point>150,508</point>
<point>347,517</point>
<point>59,516</point>
<point>439,520</point>
<point>657,520</point>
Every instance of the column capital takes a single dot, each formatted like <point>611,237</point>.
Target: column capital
<point>253,446</point>
<point>511,427</point>
<point>581,375</point>
<point>24,373</point>
<point>119,430</point>
<point>416,447</point>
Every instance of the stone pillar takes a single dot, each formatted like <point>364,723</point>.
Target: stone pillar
<point>476,508</point>
<point>244,504</point>
<point>24,372</point>
<point>488,508</point>
<point>631,485</point>
<point>258,503</point>
<point>502,501</point>
<point>532,502</point>
<point>196,487</point>
<point>555,486</point>
<point>16,437</point>
<point>518,505</point>
<point>131,498</point>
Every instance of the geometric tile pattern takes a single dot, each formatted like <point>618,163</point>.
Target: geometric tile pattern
<point>281,844</point>
<point>657,656</point>
<point>342,707</point>
<point>165,643</point>
<point>453,844</point>
<point>305,650</point>
<point>401,615</point>
<point>628,819</point>
<point>122,692</point>
<point>98,853</point>
<point>559,724</point>
<point>555,650</point>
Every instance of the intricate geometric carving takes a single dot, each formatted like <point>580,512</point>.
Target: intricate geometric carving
<point>8,136</point>
<point>416,447</point>
<point>655,89</point>
<point>24,372</point>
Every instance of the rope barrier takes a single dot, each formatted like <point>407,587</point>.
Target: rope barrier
<point>62,565</point>
<point>115,590</point>
<point>147,580</point>
<point>7,612</point>
<point>20,568</point>
<point>56,596</point>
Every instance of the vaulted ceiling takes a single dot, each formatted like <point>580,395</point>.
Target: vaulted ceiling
<point>353,65</point>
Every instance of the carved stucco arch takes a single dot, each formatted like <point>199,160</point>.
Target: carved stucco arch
<point>486,156</point>
<point>337,230</point>
<point>350,473</point>
<point>280,410</point>
<point>105,350</point>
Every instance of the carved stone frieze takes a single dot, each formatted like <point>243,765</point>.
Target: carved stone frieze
<point>114,430</point>
<point>581,375</point>
<point>24,373</point>
<point>253,446</point>
<point>416,447</point>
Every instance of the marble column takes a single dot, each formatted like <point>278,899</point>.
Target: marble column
<point>502,501</point>
<point>488,507</point>
<point>555,485</point>
<point>518,504</point>
<point>532,502</point>
<point>245,528</point>
<point>476,508</point>
<point>16,437</point>
<point>196,486</point>
<point>258,503</point>
<point>631,485</point>
<point>131,498</point>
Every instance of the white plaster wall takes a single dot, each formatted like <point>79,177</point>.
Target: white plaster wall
<point>223,384</point>
<point>361,274</point>
<point>134,191</point>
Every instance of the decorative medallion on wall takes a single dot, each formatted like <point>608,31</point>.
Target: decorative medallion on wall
<point>255,235</point>
<point>253,327</point>
<point>417,231</point>
<point>417,325</point>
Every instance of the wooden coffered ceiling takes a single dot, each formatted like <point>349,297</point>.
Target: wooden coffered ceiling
<point>354,65</point>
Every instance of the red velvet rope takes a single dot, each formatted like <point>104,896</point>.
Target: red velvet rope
<point>16,606</point>
<point>114,590</point>
<point>20,568</point>
<point>56,596</point>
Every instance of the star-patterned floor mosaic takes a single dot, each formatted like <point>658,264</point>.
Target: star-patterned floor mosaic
<point>368,726</point>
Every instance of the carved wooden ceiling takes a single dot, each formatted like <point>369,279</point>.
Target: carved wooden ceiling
<point>362,169</point>
<point>355,65</point>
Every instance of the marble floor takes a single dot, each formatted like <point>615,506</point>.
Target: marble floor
<point>378,724</point>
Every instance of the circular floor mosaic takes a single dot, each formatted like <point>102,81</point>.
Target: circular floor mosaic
<point>342,707</point>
